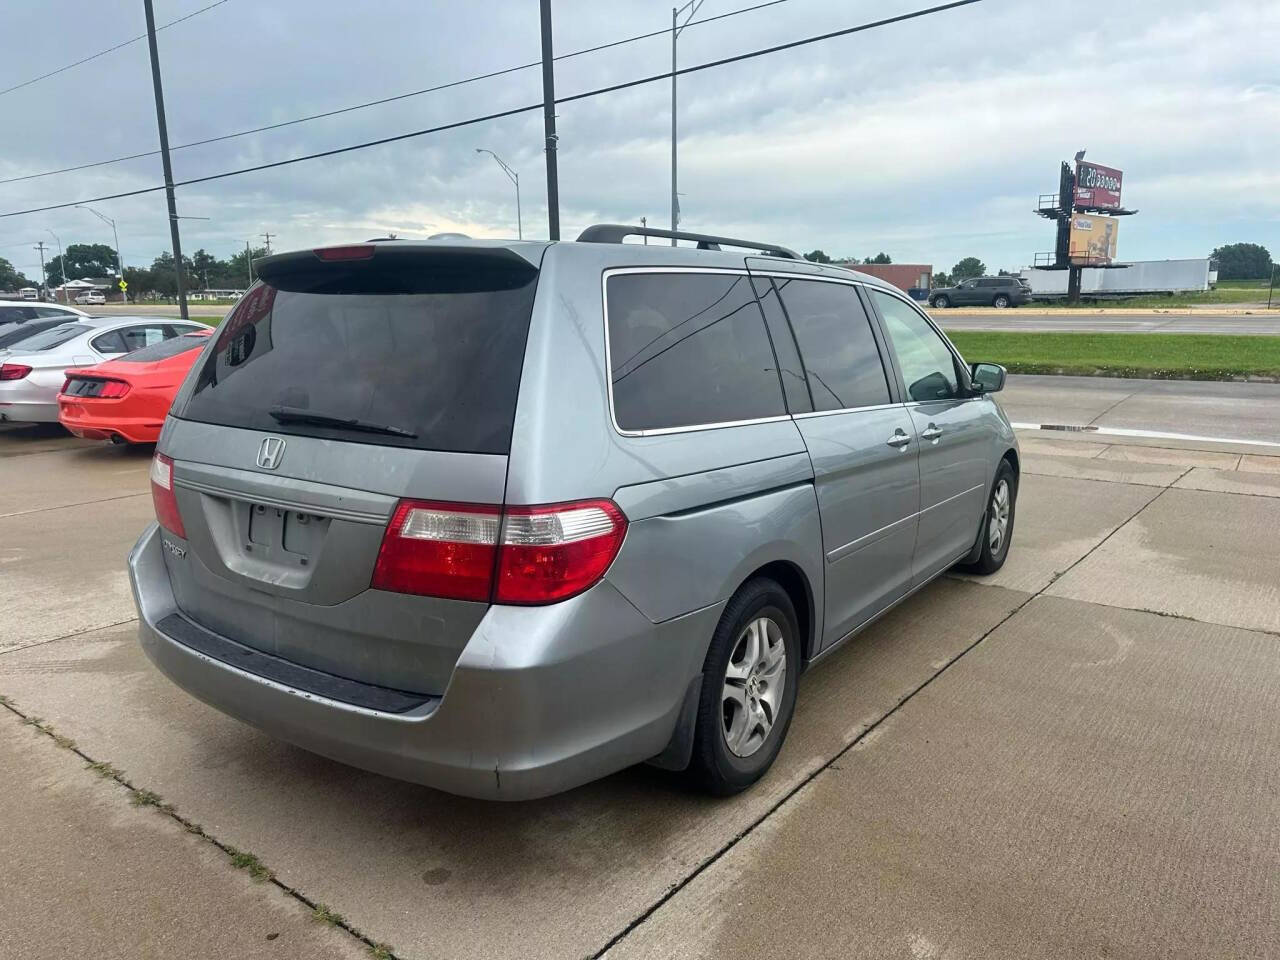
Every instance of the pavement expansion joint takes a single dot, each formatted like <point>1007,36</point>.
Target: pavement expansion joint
<point>239,859</point>
<point>67,636</point>
<point>65,506</point>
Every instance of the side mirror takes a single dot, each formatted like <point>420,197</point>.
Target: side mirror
<point>987,377</point>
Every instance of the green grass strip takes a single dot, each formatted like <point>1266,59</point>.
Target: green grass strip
<point>1167,356</point>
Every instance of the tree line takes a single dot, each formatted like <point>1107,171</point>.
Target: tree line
<point>1236,261</point>
<point>201,271</point>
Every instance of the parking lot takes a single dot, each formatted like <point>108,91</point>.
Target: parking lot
<point>1075,757</point>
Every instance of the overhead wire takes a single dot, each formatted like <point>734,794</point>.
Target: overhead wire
<point>103,53</point>
<point>384,100</point>
<point>598,91</point>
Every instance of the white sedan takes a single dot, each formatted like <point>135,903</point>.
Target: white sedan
<point>33,370</point>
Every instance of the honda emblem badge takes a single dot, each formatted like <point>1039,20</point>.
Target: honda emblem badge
<point>270,453</point>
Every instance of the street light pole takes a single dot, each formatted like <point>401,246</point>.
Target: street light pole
<point>515,178</point>
<point>692,6</point>
<point>62,264</point>
<point>115,236</point>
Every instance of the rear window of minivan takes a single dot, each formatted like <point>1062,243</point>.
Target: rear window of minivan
<point>417,355</point>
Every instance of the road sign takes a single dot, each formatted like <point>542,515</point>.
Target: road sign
<point>123,286</point>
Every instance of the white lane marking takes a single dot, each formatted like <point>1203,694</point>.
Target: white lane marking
<point>1150,434</point>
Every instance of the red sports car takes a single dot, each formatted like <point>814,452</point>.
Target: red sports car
<point>125,400</point>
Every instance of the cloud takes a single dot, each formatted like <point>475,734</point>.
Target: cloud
<point>929,139</point>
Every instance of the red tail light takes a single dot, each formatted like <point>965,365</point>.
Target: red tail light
<point>113,389</point>
<point>439,550</point>
<point>552,553</point>
<point>163,497</point>
<point>525,555</point>
<point>13,371</point>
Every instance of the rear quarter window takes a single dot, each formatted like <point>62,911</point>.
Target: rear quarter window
<point>688,349</point>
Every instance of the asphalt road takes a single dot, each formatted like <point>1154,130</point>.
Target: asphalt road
<point>1075,757</point>
<point>1020,319</point>
<point>1264,322</point>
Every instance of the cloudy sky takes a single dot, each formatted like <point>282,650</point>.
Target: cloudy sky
<point>929,139</point>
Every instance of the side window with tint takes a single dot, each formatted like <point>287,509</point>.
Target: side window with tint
<point>109,343</point>
<point>790,367</point>
<point>836,344</point>
<point>928,366</point>
<point>135,338</point>
<point>687,349</point>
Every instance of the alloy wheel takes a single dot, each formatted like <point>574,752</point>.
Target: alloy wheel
<point>998,526</point>
<point>754,682</point>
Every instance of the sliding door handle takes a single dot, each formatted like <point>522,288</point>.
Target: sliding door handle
<point>899,439</point>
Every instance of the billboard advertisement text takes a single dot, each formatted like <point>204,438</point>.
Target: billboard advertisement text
<point>1097,186</point>
<point>1093,239</point>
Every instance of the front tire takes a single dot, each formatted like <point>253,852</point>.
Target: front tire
<point>941,303</point>
<point>749,683</point>
<point>997,522</point>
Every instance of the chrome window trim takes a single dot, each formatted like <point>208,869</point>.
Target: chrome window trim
<point>827,413</point>
<point>608,355</point>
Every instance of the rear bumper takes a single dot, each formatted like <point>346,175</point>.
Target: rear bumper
<point>26,411</point>
<point>542,699</point>
<point>98,428</point>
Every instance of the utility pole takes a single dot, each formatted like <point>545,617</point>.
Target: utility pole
<point>267,237</point>
<point>692,6</point>
<point>248,261</point>
<point>44,280</point>
<point>644,222</point>
<point>549,123</point>
<point>164,157</point>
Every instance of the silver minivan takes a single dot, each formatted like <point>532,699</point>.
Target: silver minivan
<point>505,517</point>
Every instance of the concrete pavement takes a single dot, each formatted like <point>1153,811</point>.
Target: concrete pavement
<point>1020,765</point>
<point>1244,411</point>
<point>84,873</point>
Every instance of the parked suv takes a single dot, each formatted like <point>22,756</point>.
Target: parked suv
<point>983,292</point>
<point>505,517</point>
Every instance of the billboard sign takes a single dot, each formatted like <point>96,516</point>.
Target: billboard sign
<point>1097,186</point>
<point>1093,240</point>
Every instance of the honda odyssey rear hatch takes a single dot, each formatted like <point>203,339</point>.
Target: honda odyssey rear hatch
<point>315,482</point>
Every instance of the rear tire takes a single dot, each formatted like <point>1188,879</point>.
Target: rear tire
<point>749,683</point>
<point>996,533</point>
<point>1000,302</point>
<point>940,303</point>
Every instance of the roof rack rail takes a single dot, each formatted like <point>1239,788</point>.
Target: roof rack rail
<point>617,232</point>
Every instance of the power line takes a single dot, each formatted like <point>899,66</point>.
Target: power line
<point>384,100</point>
<point>598,91</point>
<point>103,53</point>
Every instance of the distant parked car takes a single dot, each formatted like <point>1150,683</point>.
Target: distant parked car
<point>997,292</point>
<point>125,400</point>
<point>92,296</point>
<point>16,311</point>
<point>32,371</point>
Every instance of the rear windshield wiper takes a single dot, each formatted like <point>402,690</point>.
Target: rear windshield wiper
<point>294,415</point>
